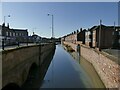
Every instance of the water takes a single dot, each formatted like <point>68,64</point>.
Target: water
<point>68,70</point>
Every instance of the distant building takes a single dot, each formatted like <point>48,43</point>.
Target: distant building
<point>75,37</point>
<point>13,35</point>
<point>36,38</point>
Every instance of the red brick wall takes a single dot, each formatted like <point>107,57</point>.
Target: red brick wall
<point>108,70</point>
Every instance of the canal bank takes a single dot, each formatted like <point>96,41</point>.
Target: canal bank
<point>67,72</point>
<point>107,69</point>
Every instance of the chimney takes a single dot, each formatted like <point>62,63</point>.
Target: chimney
<point>33,33</point>
<point>3,25</point>
<point>80,29</point>
<point>77,31</point>
<point>7,25</point>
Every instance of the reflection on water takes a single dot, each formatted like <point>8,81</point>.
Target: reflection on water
<point>68,72</point>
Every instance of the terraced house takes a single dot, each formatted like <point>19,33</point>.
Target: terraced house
<point>100,37</point>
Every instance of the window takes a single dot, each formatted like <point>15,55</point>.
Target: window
<point>112,33</point>
<point>13,34</point>
<point>16,34</point>
<point>6,33</point>
<point>10,34</point>
<point>0,32</point>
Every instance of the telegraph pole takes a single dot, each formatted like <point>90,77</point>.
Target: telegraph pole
<point>100,35</point>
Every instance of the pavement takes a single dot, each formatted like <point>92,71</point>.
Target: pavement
<point>114,52</point>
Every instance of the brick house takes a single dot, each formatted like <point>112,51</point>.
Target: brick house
<point>103,36</point>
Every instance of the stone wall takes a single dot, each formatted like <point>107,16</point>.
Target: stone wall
<point>107,69</point>
<point>16,63</point>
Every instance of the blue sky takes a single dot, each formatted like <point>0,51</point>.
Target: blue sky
<point>68,16</point>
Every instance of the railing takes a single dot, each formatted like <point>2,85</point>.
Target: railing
<point>3,46</point>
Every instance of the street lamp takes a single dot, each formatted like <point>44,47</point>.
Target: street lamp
<point>52,24</point>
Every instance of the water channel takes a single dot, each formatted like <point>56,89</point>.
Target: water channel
<point>69,70</point>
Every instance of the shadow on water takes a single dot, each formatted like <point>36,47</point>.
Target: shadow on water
<point>36,74</point>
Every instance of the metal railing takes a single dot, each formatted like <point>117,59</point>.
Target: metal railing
<point>5,46</point>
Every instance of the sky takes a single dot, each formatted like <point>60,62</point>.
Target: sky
<point>68,16</point>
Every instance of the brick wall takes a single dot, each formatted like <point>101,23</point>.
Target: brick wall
<point>108,70</point>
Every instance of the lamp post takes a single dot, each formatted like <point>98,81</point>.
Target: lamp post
<point>53,43</point>
<point>52,24</point>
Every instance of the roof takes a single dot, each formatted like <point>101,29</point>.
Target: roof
<point>13,29</point>
<point>114,26</point>
<point>92,28</point>
<point>19,29</point>
<point>97,27</point>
